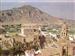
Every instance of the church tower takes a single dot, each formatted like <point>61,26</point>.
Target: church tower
<point>64,31</point>
<point>64,39</point>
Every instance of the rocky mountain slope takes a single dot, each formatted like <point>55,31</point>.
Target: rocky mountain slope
<point>28,14</point>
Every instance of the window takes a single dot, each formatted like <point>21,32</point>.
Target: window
<point>0,38</point>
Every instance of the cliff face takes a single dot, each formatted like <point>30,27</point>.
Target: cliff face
<point>28,14</point>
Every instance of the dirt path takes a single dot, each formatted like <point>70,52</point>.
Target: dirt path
<point>49,52</point>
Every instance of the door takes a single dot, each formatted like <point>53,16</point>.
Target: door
<point>74,51</point>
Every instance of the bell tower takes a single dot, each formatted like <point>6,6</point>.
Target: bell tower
<point>64,31</point>
<point>64,39</point>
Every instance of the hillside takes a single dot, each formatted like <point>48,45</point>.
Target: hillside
<point>28,14</point>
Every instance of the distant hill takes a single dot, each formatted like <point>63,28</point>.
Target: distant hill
<point>28,14</point>
<point>71,23</point>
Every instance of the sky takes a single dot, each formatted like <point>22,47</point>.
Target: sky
<point>38,0</point>
<point>58,8</point>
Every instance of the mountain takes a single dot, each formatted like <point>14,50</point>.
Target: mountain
<point>28,15</point>
<point>70,22</point>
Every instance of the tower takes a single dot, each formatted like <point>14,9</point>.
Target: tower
<point>64,31</point>
<point>64,39</point>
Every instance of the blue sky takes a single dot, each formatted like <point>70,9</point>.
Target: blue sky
<point>58,8</point>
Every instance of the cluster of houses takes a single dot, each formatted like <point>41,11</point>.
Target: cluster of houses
<point>62,40</point>
<point>56,33</point>
<point>57,39</point>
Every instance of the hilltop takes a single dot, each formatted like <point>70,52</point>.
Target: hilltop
<point>28,14</point>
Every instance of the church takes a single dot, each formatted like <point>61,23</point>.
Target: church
<point>67,46</point>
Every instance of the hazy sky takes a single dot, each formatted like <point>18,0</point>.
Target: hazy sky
<point>38,0</point>
<point>58,8</point>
